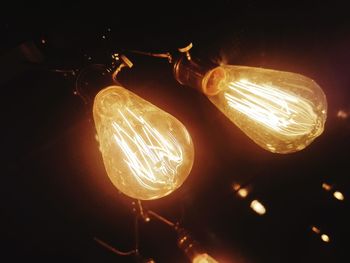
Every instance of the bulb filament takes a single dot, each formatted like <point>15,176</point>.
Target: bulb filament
<point>152,158</point>
<point>272,107</point>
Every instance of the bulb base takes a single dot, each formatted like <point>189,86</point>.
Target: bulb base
<point>191,72</point>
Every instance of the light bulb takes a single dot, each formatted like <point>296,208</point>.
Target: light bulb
<point>192,249</point>
<point>147,152</point>
<point>282,112</point>
<point>204,258</point>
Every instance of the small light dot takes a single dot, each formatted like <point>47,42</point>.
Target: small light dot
<point>104,37</point>
<point>338,195</point>
<point>89,58</point>
<point>236,186</point>
<point>43,41</point>
<point>243,192</point>
<point>325,238</point>
<point>147,219</point>
<point>316,230</point>
<point>326,186</point>
<point>183,240</point>
<point>342,114</point>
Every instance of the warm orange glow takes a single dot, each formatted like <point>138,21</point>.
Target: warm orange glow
<point>338,195</point>
<point>316,230</point>
<point>325,238</point>
<point>258,207</point>
<point>342,114</point>
<point>236,186</point>
<point>326,186</point>
<point>146,151</point>
<point>282,112</point>
<point>204,258</point>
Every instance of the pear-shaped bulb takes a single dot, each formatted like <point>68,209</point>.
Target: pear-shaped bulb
<point>282,112</point>
<point>147,152</point>
<point>204,258</point>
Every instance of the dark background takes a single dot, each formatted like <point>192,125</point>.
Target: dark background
<point>55,195</point>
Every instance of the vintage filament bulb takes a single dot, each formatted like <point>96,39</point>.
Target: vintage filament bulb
<point>282,112</point>
<point>146,151</point>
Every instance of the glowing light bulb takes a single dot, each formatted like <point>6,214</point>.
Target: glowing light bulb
<point>147,152</point>
<point>204,258</point>
<point>282,112</point>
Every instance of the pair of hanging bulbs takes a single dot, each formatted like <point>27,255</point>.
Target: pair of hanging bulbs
<point>148,153</point>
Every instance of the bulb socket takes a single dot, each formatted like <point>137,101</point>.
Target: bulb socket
<point>191,72</point>
<point>188,245</point>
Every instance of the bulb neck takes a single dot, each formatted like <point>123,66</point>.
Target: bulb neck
<point>191,72</point>
<point>90,81</point>
<point>187,244</point>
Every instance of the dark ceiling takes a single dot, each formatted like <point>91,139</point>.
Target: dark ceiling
<point>55,195</point>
